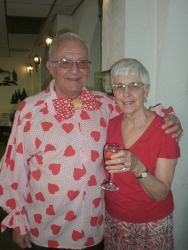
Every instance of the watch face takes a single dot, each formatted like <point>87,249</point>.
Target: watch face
<point>144,174</point>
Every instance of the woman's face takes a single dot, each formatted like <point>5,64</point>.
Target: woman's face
<point>130,96</point>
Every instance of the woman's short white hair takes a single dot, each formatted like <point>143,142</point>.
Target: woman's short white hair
<point>129,66</point>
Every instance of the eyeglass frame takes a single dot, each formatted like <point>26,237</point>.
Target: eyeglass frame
<point>72,62</point>
<point>128,85</point>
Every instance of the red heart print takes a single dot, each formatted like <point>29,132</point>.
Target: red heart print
<point>55,229</point>
<point>44,110</point>
<point>70,216</point>
<point>101,219</point>
<point>92,181</point>
<point>46,126</point>
<point>95,135</point>
<point>52,188</point>
<point>37,143</point>
<point>94,155</point>
<point>93,221</point>
<point>11,221</point>
<point>49,147</point>
<point>67,127</point>
<point>73,194</point>
<point>89,242</point>
<point>77,235</point>
<point>69,151</point>
<point>39,103</point>
<point>117,109</point>
<point>40,197</point>
<point>39,159</point>
<point>111,107</point>
<point>29,199</point>
<point>35,232</point>
<point>84,115</point>
<point>10,163</point>
<point>55,168</point>
<point>36,174</point>
<point>79,173</point>
<point>50,210</point>
<point>22,105</point>
<point>11,203</point>
<point>53,244</point>
<point>102,122</point>
<point>19,148</point>
<point>14,185</point>
<point>58,118</point>
<point>96,202</point>
<point>28,115</point>
<point>1,190</point>
<point>38,218</point>
<point>27,126</point>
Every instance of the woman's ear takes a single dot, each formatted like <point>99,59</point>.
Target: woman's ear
<point>147,89</point>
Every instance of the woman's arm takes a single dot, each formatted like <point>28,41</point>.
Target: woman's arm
<point>157,186</point>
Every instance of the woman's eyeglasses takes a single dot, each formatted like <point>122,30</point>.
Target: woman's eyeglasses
<point>133,86</point>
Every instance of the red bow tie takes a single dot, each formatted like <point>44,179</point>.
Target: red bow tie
<point>66,107</point>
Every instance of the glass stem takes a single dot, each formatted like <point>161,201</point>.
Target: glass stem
<point>111,178</point>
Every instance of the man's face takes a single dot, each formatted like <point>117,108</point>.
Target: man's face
<point>69,82</point>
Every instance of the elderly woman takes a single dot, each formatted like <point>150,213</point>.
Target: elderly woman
<point>139,214</point>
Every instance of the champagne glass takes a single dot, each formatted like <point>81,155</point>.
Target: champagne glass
<point>109,149</point>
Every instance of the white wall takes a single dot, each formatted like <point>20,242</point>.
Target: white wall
<point>156,33</point>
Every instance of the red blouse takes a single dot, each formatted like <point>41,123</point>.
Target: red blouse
<point>130,203</point>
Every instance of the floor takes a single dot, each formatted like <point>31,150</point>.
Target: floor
<point>5,237</point>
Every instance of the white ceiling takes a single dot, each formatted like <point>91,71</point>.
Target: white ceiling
<point>14,44</point>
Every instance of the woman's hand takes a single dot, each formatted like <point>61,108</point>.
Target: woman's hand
<point>122,161</point>
<point>175,126</point>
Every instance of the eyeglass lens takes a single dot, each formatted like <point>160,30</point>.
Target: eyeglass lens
<point>131,86</point>
<point>81,64</point>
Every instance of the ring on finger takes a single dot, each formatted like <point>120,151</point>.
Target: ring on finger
<point>124,168</point>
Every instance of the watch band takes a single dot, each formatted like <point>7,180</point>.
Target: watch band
<point>143,175</point>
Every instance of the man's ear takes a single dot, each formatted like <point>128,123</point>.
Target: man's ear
<point>49,67</point>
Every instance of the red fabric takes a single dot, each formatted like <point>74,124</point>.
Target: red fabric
<point>130,203</point>
<point>66,108</point>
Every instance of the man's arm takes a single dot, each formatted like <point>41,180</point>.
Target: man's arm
<point>23,241</point>
<point>173,125</point>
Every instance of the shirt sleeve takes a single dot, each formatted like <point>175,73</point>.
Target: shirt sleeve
<point>161,111</point>
<point>13,189</point>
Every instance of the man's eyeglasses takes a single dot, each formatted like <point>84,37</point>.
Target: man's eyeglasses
<point>133,86</point>
<point>67,64</point>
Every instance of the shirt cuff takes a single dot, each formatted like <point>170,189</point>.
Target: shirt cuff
<point>18,222</point>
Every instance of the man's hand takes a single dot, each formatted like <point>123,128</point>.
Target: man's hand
<point>23,241</point>
<point>175,126</point>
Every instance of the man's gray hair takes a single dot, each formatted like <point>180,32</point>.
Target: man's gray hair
<point>68,36</point>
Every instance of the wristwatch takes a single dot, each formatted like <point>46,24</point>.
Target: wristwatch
<point>143,175</point>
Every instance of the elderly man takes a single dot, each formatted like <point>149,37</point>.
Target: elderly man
<point>51,173</point>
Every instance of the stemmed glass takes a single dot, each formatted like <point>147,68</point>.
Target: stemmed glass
<point>109,149</point>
